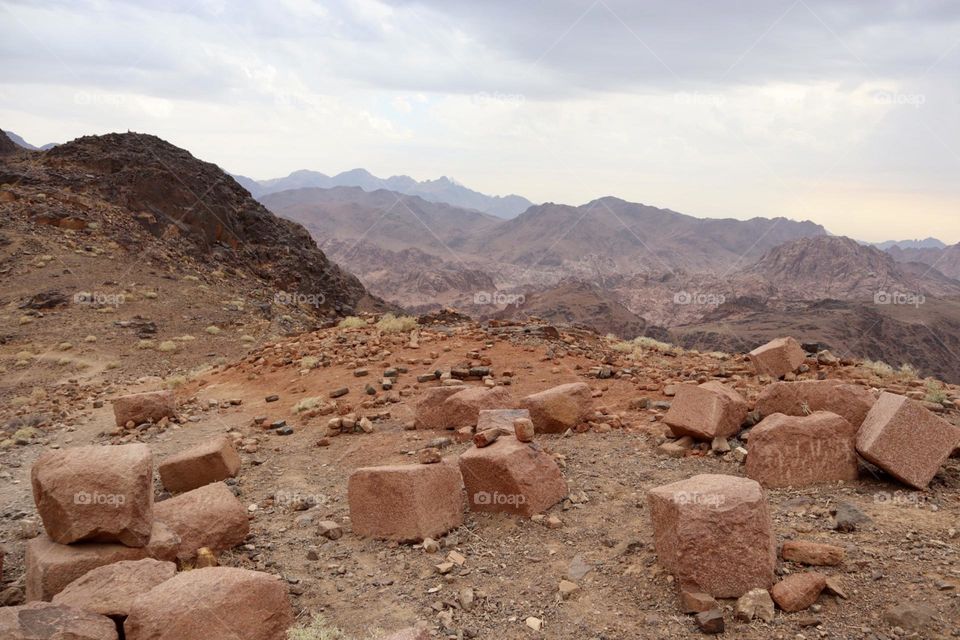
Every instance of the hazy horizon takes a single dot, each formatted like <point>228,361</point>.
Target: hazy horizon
<point>837,112</point>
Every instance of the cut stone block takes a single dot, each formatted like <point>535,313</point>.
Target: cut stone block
<point>111,589</point>
<point>210,517</point>
<point>95,494</point>
<point>138,408</point>
<point>559,408</point>
<point>778,357</point>
<point>45,621</point>
<point>406,503</point>
<point>906,440</point>
<point>715,531</point>
<point>213,603</point>
<point>850,401</point>
<point>211,461</point>
<point>795,451</point>
<point>51,566</point>
<point>430,413</point>
<point>512,477</point>
<point>500,419</point>
<point>463,409</point>
<point>706,411</point>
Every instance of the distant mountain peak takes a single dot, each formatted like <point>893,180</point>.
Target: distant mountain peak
<point>444,189</point>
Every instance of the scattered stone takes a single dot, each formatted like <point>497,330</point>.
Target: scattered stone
<point>812,553</point>
<point>211,461</point>
<point>798,591</point>
<point>429,456</point>
<point>848,517</point>
<point>523,429</point>
<point>700,522</point>
<point>329,529</point>
<point>567,589</point>
<point>210,516</point>
<point>406,502</point>
<point>216,602</point>
<point>271,398</point>
<point>833,587</point>
<point>339,393</point>
<point>778,357</point>
<point>695,600</point>
<point>706,411</point>
<point>910,616</point>
<point>95,493</point>
<point>534,623</point>
<point>559,408</point>
<point>676,448</point>
<point>486,438</point>
<point>45,621</point>
<point>850,401</point>
<point>755,603</point>
<point>800,451</point>
<point>110,590</point>
<point>907,441</point>
<point>138,408</point>
<point>430,545</point>
<point>710,622</point>
<point>511,477</point>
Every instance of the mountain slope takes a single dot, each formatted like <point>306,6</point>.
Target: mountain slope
<point>635,237</point>
<point>946,260</point>
<point>20,142</point>
<point>7,144</point>
<point>441,190</point>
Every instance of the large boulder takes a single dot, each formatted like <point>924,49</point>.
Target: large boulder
<point>795,451</point>
<point>559,408</point>
<point>906,440</point>
<point>707,411</point>
<point>778,357</point>
<point>429,412</point>
<point>213,460</point>
<point>138,408</point>
<point>512,477</point>
<point>715,531</point>
<point>51,566</point>
<point>45,621</point>
<point>212,603</point>
<point>210,516</point>
<point>406,503</point>
<point>96,494</point>
<point>110,590</point>
<point>851,401</point>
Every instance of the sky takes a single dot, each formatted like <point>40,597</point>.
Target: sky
<point>843,112</point>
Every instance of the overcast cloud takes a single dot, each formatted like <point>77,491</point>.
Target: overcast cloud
<point>845,112</point>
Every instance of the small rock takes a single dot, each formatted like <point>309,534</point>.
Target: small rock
<point>710,622</point>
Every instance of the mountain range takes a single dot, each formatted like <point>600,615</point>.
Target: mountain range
<point>443,189</point>
<point>20,142</point>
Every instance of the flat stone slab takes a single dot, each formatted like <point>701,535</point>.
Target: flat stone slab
<point>850,401</point>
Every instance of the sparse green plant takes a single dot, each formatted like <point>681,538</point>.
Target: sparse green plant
<point>935,392</point>
<point>317,629</point>
<point>174,382</point>
<point>213,330</point>
<point>390,323</point>
<point>352,322</point>
<point>876,367</point>
<point>907,372</point>
<point>307,403</point>
<point>309,362</point>
<point>167,346</point>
